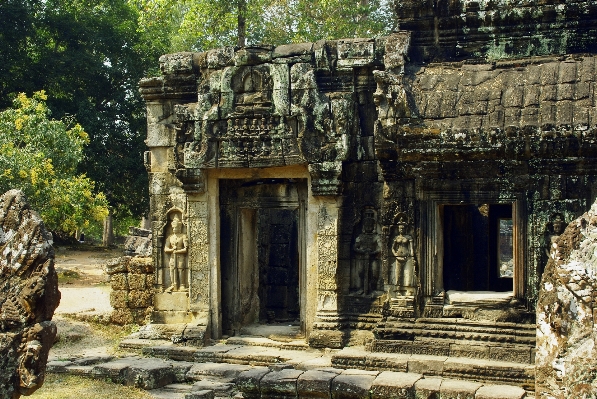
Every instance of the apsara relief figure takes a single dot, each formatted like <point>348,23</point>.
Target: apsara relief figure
<point>364,275</point>
<point>404,255</point>
<point>176,247</point>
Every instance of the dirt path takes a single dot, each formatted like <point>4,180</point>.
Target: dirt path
<point>84,307</point>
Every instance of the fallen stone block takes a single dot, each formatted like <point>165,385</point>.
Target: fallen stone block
<point>248,382</point>
<point>58,366</point>
<point>353,384</point>
<point>316,383</point>
<point>394,385</point>
<point>280,384</point>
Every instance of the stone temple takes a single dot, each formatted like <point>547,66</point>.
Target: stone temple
<point>402,193</point>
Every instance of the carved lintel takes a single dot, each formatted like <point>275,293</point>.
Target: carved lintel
<point>325,178</point>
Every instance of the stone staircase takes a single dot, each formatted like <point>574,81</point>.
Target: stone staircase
<point>259,367</point>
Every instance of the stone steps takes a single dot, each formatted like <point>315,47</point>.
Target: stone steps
<point>513,342</point>
<point>172,379</point>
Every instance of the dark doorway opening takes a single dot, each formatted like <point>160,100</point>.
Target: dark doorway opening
<point>260,251</point>
<point>478,247</point>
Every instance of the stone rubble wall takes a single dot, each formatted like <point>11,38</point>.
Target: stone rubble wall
<point>566,359</point>
<point>131,279</point>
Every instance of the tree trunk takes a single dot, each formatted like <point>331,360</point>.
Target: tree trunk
<point>108,236</point>
<point>242,23</point>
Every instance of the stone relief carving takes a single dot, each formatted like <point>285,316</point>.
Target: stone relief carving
<point>553,231</point>
<point>402,270</point>
<point>175,250</point>
<point>327,252</point>
<point>198,255</point>
<point>365,267</point>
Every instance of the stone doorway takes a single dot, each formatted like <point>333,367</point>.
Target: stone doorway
<point>261,252</point>
<point>478,247</point>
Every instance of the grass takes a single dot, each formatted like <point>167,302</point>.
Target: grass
<point>57,386</point>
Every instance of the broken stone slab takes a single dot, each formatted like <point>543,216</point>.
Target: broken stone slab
<point>249,382</point>
<point>224,371</point>
<point>213,353</point>
<point>205,394</point>
<point>280,384</point>
<point>252,355</point>
<point>216,386</point>
<point>500,392</point>
<point>58,366</point>
<point>458,389</point>
<point>316,383</point>
<point>394,385</point>
<point>145,373</point>
<point>353,384</point>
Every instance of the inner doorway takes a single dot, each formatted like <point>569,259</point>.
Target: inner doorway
<point>478,247</point>
<point>261,252</point>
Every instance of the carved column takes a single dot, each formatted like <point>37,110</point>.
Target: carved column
<point>199,258</point>
<point>327,326</point>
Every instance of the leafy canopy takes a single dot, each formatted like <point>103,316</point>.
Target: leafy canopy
<point>39,156</point>
<point>200,25</point>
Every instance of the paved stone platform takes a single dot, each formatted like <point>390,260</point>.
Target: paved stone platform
<point>246,368</point>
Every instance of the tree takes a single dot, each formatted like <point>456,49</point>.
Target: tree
<point>39,156</point>
<point>89,56</point>
<point>198,25</point>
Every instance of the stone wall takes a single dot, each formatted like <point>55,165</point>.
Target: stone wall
<point>131,279</point>
<point>566,356</point>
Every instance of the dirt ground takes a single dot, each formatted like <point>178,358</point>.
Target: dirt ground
<point>82,321</point>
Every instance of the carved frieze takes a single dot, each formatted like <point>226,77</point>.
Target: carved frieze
<point>327,263</point>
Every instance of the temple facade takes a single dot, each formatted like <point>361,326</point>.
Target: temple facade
<point>373,191</point>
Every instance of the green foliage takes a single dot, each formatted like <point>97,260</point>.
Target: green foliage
<point>89,56</point>
<point>39,156</point>
<point>199,25</point>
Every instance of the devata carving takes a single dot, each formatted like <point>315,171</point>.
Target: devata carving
<point>365,275</point>
<point>402,273</point>
<point>175,251</point>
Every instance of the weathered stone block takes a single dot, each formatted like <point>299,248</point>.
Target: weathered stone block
<point>221,370</point>
<point>119,282</point>
<point>353,384</point>
<point>248,382</point>
<point>117,265</point>
<point>280,383</point>
<point>176,63</point>
<point>500,392</point>
<point>291,50</point>
<point>119,299</point>
<point>427,388</point>
<point>140,265</point>
<point>394,385</point>
<point>458,389</point>
<point>516,354</point>
<point>137,282</point>
<point>316,383</point>
<point>140,299</point>
<point>426,365</point>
